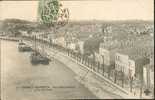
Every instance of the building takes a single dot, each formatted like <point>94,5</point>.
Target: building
<point>130,62</point>
<point>2,33</point>
<point>81,46</point>
<point>98,57</point>
<point>124,64</point>
<point>71,46</point>
<point>36,32</point>
<point>107,50</point>
<point>106,55</point>
<point>60,41</point>
<point>148,73</point>
<point>148,76</point>
<point>23,33</point>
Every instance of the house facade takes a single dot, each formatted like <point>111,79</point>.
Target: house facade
<point>59,41</point>
<point>107,50</point>
<point>131,63</point>
<point>125,64</point>
<point>81,46</point>
<point>105,54</point>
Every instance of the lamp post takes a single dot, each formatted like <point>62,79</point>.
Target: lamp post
<point>131,79</point>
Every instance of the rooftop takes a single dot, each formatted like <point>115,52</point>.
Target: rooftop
<point>110,44</point>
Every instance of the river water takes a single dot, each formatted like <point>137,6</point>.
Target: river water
<point>20,80</point>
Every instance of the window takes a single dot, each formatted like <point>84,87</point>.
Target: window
<point>129,64</point>
<point>116,65</point>
<point>130,72</point>
<point>122,68</point>
<point>118,58</point>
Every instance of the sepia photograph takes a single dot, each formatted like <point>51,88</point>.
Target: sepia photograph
<point>76,49</point>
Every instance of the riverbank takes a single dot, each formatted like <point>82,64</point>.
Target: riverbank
<point>94,83</point>
<point>97,84</point>
<point>21,80</point>
<point>99,90</point>
<point>9,38</point>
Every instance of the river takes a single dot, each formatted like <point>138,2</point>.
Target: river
<point>20,80</point>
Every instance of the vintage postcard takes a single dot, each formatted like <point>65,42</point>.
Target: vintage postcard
<point>76,49</point>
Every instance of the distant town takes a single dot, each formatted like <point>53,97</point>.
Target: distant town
<point>122,51</point>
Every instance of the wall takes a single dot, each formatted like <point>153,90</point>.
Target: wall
<point>106,56</point>
<point>121,62</point>
<point>81,44</point>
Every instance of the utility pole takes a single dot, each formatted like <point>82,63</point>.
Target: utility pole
<point>123,78</point>
<point>35,43</point>
<point>147,91</point>
<point>103,65</point>
<point>0,67</point>
<point>141,84</point>
<point>115,76</point>
<point>148,77</point>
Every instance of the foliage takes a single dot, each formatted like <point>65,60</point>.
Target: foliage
<point>92,44</point>
<point>14,25</point>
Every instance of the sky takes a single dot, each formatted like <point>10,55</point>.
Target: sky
<point>84,10</point>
